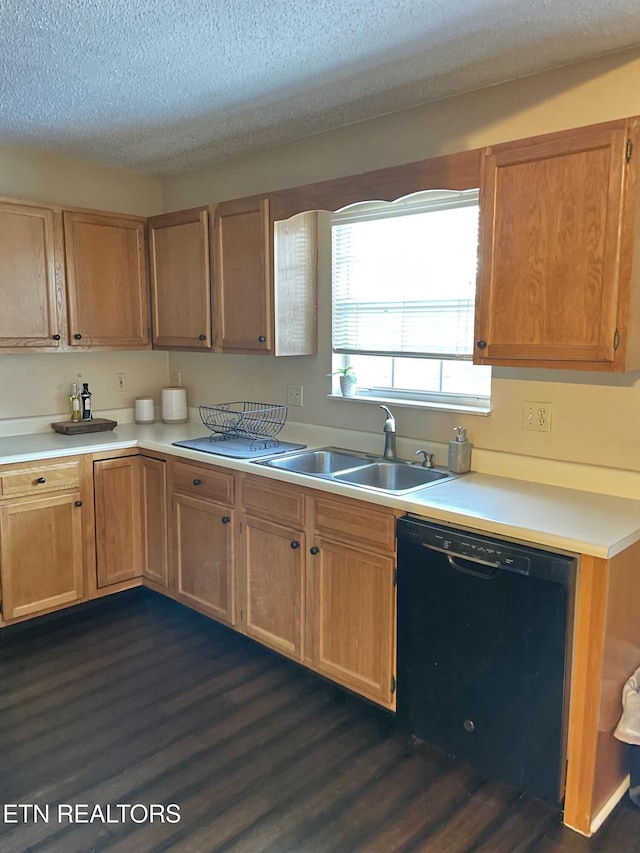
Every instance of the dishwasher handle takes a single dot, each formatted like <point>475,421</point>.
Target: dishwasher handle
<point>489,575</point>
<point>450,555</point>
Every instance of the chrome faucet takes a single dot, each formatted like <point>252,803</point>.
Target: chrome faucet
<point>389,430</point>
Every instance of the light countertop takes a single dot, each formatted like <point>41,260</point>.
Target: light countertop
<point>555,517</point>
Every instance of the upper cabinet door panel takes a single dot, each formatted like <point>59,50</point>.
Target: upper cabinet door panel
<point>552,221</point>
<point>31,277</point>
<point>242,278</point>
<point>180,285</point>
<point>106,280</point>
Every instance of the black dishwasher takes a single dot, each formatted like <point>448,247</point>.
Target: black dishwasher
<point>483,632</point>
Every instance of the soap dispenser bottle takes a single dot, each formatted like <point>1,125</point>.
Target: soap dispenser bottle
<point>74,403</point>
<point>460,452</point>
<point>85,397</point>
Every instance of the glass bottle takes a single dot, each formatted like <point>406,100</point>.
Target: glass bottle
<point>74,403</point>
<point>85,397</point>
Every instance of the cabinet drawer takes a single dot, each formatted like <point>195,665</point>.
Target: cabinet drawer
<point>40,478</point>
<point>202,481</point>
<point>267,498</point>
<point>355,522</point>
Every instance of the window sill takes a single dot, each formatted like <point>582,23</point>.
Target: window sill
<point>396,402</point>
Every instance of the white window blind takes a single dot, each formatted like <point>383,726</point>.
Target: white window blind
<point>404,276</point>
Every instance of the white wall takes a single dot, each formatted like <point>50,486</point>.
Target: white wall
<point>595,417</point>
<point>34,384</point>
<point>29,173</point>
<point>39,384</point>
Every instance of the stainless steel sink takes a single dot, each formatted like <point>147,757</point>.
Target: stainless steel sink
<point>327,461</point>
<point>391,476</point>
<point>358,469</point>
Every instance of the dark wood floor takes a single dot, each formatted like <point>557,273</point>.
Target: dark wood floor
<point>137,700</point>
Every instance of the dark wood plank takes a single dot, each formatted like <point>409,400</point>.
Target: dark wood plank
<point>137,699</point>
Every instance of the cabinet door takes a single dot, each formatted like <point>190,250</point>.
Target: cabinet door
<point>106,281</point>
<point>180,285</point>
<point>154,520</point>
<point>41,554</point>
<point>203,553</point>
<point>31,277</point>
<point>242,277</point>
<point>118,519</point>
<point>551,225</point>
<point>273,610</point>
<point>354,619</point>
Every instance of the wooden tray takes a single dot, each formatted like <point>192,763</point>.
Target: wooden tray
<point>94,425</point>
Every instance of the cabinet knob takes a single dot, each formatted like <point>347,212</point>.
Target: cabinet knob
<point>295,545</point>
<point>56,337</point>
<point>315,550</point>
<point>42,479</point>
<point>262,339</point>
<point>77,336</point>
<point>202,337</point>
<point>78,503</point>
<point>225,519</point>
<point>481,344</point>
<point>197,482</point>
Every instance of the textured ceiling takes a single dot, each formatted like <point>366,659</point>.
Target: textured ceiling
<point>163,85</point>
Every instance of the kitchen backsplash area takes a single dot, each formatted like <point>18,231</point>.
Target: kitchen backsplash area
<point>38,385</point>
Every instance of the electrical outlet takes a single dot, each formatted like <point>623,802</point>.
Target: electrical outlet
<point>294,395</point>
<point>536,416</point>
<point>174,378</point>
<point>121,381</point>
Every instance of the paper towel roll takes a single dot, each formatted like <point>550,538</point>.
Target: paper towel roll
<point>174,405</point>
<point>144,410</point>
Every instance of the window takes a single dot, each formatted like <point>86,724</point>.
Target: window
<point>404,279</point>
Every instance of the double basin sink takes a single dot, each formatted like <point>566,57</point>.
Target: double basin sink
<point>359,469</point>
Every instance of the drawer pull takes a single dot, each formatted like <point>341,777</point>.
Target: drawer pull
<point>315,550</point>
<point>197,482</point>
<point>42,480</point>
<point>225,519</point>
<point>78,503</point>
<point>295,545</point>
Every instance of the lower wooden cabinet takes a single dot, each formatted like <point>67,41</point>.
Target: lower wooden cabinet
<point>354,618</point>
<point>202,555</point>
<point>235,547</point>
<point>41,553</point>
<point>118,519</point>
<point>274,588</point>
<point>201,538</point>
<point>331,605</point>
<point>153,493</point>
<point>45,510</point>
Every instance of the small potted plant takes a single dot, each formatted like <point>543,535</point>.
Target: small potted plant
<point>348,380</point>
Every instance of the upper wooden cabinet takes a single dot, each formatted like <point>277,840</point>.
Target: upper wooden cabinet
<point>31,277</point>
<point>180,285</point>
<point>242,295</point>
<point>264,280</point>
<point>557,233</point>
<point>106,280</point>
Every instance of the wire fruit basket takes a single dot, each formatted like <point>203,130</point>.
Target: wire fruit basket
<point>244,419</point>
